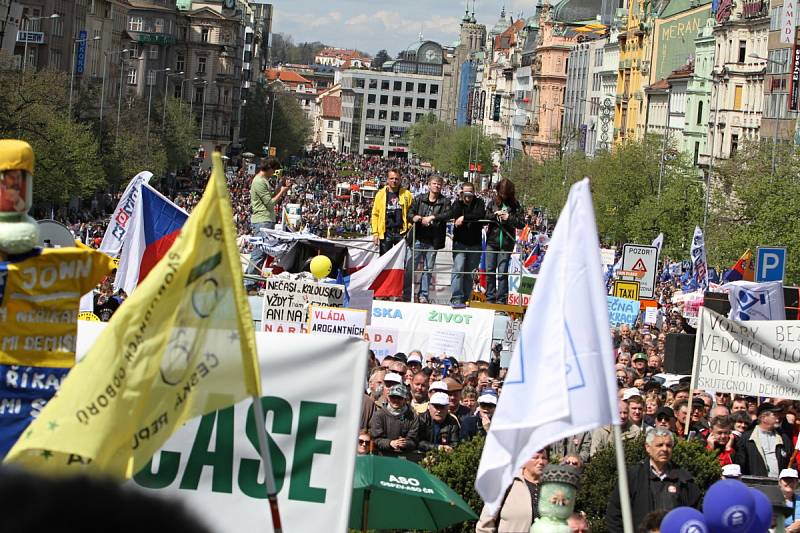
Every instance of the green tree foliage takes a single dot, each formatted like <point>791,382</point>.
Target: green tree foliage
<point>290,127</point>
<point>179,134</point>
<point>751,207</point>
<point>448,149</point>
<point>33,107</point>
<point>380,58</point>
<point>284,50</point>
<point>600,476</point>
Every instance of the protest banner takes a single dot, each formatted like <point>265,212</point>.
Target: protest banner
<point>276,326</point>
<point>444,343</point>
<point>212,463</point>
<point>756,301</point>
<point>753,358</point>
<point>287,300</point>
<point>651,315</point>
<point>336,321</point>
<point>382,341</point>
<point>622,311</point>
<point>415,324</point>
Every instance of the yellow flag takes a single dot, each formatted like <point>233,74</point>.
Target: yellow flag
<point>181,346</point>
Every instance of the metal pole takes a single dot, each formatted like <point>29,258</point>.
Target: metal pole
<point>203,116</point>
<point>775,129</point>
<point>103,87</point>
<point>119,93</point>
<point>149,99</point>
<point>164,110</point>
<point>711,160</point>
<point>72,75</point>
<point>25,48</point>
<point>271,115</point>
<point>664,144</point>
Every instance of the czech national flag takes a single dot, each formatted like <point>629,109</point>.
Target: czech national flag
<point>154,227</point>
<point>743,269</point>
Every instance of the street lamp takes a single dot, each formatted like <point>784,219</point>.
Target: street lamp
<point>103,85</point>
<point>72,72</point>
<point>119,95</point>
<point>711,151</point>
<point>26,24</point>
<point>150,96</point>
<point>166,82</point>
<point>782,64</point>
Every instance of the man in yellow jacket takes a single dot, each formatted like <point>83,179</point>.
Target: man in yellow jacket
<point>389,210</point>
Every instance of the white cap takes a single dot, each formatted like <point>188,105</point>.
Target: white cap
<point>788,472</point>
<point>630,393</point>
<point>487,398</point>
<point>438,385</point>
<point>440,398</point>
<point>734,470</point>
<point>414,359</point>
<point>394,377</point>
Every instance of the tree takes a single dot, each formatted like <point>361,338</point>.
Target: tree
<point>380,58</point>
<point>451,150</point>
<point>178,135</point>
<point>284,50</point>
<point>291,129</point>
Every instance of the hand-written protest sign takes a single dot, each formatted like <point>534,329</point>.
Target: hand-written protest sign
<point>382,341</point>
<point>754,358</point>
<point>622,311</point>
<point>651,315</point>
<point>446,343</point>
<point>337,321</point>
<point>287,300</point>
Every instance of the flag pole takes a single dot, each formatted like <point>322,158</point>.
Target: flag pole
<point>622,475</point>
<point>269,478</point>
<point>698,344</point>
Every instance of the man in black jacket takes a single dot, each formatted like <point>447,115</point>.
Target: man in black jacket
<point>764,451</point>
<point>438,429</point>
<point>429,213</point>
<point>394,428</point>
<point>468,209</point>
<point>657,483</point>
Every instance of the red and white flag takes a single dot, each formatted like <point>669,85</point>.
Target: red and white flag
<point>383,275</point>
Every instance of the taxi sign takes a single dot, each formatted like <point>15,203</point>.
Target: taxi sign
<point>626,289</point>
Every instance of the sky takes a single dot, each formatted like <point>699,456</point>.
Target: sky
<point>370,25</point>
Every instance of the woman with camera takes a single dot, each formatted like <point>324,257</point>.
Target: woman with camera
<point>507,215</point>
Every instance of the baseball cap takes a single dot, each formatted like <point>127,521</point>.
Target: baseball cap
<point>394,377</point>
<point>414,359</point>
<point>630,393</point>
<point>440,398</point>
<point>734,470</point>
<point>399,390</point>
<point>453,385</point>
<point>438,385</point>
<point>639,356</point>
<point>767,407</point>
<point>665,411</point>
<point>698,402</point>
<point>400,356</point>
<point>788,473</point>
<point>487,398</point>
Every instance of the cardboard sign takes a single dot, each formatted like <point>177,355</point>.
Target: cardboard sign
<point>626,289</point>
<point>643,260</point>
<point>277,326</point>
<point>651,315</point>
<point>443,344</point>
<point>607,256</point>
<point>382,341</point>
<point>337,321</point>
<point>287,300</point>
<point>622,311</point>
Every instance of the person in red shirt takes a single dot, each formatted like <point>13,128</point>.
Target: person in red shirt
<point>721,440</point>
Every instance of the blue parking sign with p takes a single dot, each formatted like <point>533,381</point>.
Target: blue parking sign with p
<point>770,263</point>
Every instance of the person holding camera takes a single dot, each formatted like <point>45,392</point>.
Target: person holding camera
<point>507,216</point>
<point>468,210</point>
<point>262,207</point>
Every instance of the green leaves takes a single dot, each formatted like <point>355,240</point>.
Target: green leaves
<point>290,127</point>
<point>451,150</point>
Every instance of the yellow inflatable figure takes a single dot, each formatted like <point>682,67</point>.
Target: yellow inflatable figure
<point>19,233</point>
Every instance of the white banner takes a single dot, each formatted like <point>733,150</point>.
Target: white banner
<point>336,321</point>
<point>788,21</point>
<point>417,322</point>
<point>756,301</point>
<point>287,300</point>
<point>699,264</point>
<point>382,341</point>
<point>123,213</point>
<point>754,358</point>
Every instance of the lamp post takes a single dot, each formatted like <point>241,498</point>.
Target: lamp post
<point>103,85</point>
<point>711,151</point>
<point>150,96</point>
<point>27,27</point>
<point>166,83</point>
<point>72,71</point>
<point>119,95</point>
<point>781,64</point>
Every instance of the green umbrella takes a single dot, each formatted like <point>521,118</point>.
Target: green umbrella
<point>390,493</point>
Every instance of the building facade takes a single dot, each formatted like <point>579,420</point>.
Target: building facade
<point>780,107</point>
<point>326,123</point>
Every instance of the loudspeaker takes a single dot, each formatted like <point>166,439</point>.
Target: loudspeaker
<point>717,302</point>
<point>679,353</point>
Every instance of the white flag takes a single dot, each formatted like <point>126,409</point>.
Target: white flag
<point>658,242</point>
<point>755,301</point>
<point>561,376</point>
<point>699,263</point>
<point>123,214</point>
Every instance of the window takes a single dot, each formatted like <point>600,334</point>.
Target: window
<point>178,92</point>
<point>382,114</point>
<point>201,65</point>
<point>180,63</point>
<point>734,144</point>
<point>699,112</point>
<point>421,87</point>
<point>58,26</point>
<point>158,25</point>
<point>359,83</point>
<point>373,83</point>
<point>330,123</point>
<point>395,116</point>
<point>384,85</point>
<point>742,51</point>
<point>153,52</point>
<point>151,77</point>
<point>199,92</point>
<point>420,116</point>
<point>132,76</point>
<point>396,101</point>
<point>330,137</point>
<point>370,113</point>
<point>406,117</point>
<point>420,103</point>
<point>55,58</point>
<point>775,18</point>
<point>384,99</point>
<point>135,24</point>
<point>226,96</point>
<point>737,97</point>
<point>408,102</point>
<point>397,86</point>
<point>409,86</point>
<point>204,34</point>
<point>431,104</point>
<point>696,152</point>
<point>778,61</point>
<point>370,98</point>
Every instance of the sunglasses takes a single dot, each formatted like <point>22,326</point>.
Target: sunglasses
<point>571,463</point>
<point>362,442</point>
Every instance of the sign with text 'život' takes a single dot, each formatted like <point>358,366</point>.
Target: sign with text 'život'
<point>753,358</point>
<point>643,260</point>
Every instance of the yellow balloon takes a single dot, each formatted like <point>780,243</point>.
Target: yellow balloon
<point>321,266</point>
